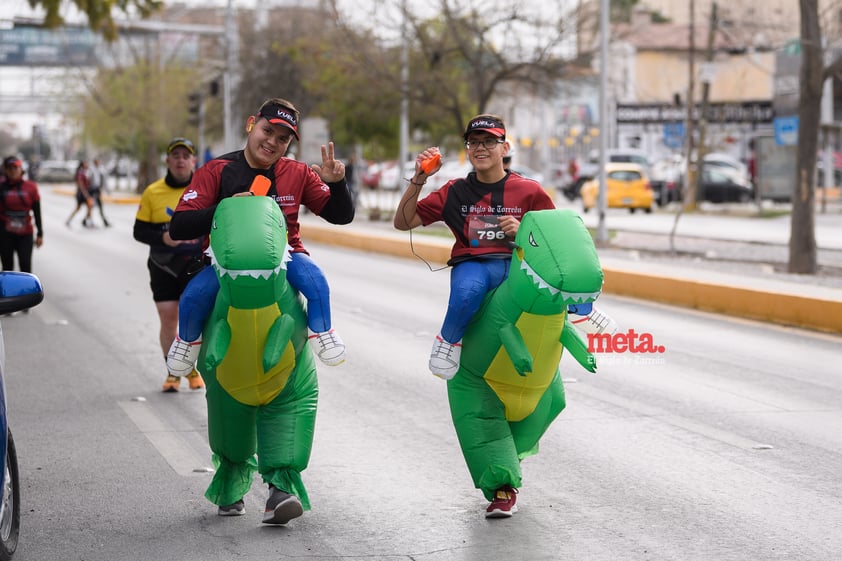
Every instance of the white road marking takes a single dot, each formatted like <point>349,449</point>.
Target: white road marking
<point>169,444</point>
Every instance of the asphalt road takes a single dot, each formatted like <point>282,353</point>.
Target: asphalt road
<point>725,447</point>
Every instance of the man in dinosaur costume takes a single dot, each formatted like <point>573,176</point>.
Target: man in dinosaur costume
<point>508,388</point>
<point>258,367</point>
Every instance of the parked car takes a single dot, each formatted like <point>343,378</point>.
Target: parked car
<point>529,173</point>
<point>450,169</point>
<point>719,186</point>
<point>627,186</point>
<point>390,176</point>
<point>18,291</point>
<point>57,171</point>
<point>589,170</point>
<point>728,165</point>
<point>667,179</point>
<point>724,179</point>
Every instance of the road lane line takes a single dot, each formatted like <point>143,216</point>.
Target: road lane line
<point>169,444</point>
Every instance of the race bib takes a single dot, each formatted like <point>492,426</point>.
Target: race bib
<point>16,223</point>
<point>485,231</point>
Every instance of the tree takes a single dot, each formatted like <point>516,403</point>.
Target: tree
<point>802,237</point>
<point>459,59</point>
<point>99,14</point>
<point>136,110</point>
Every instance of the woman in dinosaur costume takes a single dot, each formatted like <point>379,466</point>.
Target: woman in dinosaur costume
<point>508,388</point>
<point>257,364</point>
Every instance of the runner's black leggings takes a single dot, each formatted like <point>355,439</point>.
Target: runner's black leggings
<point>14,243</point>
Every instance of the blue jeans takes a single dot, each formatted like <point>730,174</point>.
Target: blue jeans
<point>470,281</point>
<point>303,274</point>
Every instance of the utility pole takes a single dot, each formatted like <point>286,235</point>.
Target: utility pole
<point>690,176</point>
<point>707,77</point>
<point>230,76</point>
<point>403,141</point>
<point>602,202</point>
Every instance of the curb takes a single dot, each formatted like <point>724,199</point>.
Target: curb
<point>819,313</point>
<point>106,198</point>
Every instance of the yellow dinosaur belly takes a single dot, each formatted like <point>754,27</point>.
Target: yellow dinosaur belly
<point>241,371</point>
<point>520,394</point>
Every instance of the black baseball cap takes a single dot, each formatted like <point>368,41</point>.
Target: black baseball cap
<point>280,115</point>
<point>184,143</point>
<point>486,123</point>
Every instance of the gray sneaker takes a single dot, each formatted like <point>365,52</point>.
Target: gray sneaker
<point>281,507</point>
<point>234,509</point>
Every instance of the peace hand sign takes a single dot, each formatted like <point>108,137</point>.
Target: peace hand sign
<point>331,170</point>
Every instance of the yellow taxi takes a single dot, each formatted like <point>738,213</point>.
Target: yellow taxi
<point>627,186</point>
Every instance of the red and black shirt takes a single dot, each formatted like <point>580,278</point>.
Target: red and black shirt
<point>19,202</point>
<point>293,184</point>
<point>471,209</point>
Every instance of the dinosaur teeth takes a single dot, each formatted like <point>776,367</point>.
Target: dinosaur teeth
<point>572,297</point>
<point>580,297</point>
<point>253,273</point>
<point>536,278</point>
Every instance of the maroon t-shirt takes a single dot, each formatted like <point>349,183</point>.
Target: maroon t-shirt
<point>471,209</point>
<point>16,202</point>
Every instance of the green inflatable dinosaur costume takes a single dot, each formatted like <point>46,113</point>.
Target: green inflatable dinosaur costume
<point>259,370</point>
<point>508,388</point>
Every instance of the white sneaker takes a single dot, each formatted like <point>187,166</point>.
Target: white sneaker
<point>444,358</point>
<point>182,357</point>
<point>329,347</point>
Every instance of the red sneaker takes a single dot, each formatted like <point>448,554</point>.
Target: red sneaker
<point>504,504</point>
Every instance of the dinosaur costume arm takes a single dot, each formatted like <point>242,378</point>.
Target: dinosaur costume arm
<point>573,342</point>
<point>217,333</point>
<point>516,348</point>
<point>280,335</point>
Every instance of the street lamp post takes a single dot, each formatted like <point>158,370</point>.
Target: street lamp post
<point>403,141</point>
<point>601,231</point>
<point>229,78</point>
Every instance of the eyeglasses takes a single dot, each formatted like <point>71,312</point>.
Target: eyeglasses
<point>489,143</point>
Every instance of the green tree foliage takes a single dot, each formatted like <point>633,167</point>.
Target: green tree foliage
<point>459,59</point>
<point>136,110</point>
<point>301,55</point>
<point>99,12</point>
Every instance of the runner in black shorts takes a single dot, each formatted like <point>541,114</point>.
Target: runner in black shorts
<point>171,263</point>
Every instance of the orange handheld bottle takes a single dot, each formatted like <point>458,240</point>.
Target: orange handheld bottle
<point>430,164</point>
<point>260,185</point>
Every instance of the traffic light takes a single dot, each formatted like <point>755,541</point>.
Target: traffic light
<point>194,108</point>
<point>213,88</point>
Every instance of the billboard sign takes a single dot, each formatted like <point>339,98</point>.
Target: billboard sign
<point>36,46</point>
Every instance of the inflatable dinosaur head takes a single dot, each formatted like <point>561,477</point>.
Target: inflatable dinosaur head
<point>555,263</point>
<point>249,250</point>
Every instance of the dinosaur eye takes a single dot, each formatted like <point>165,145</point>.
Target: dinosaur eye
<point>213,226</point>
<point>532,241</point>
